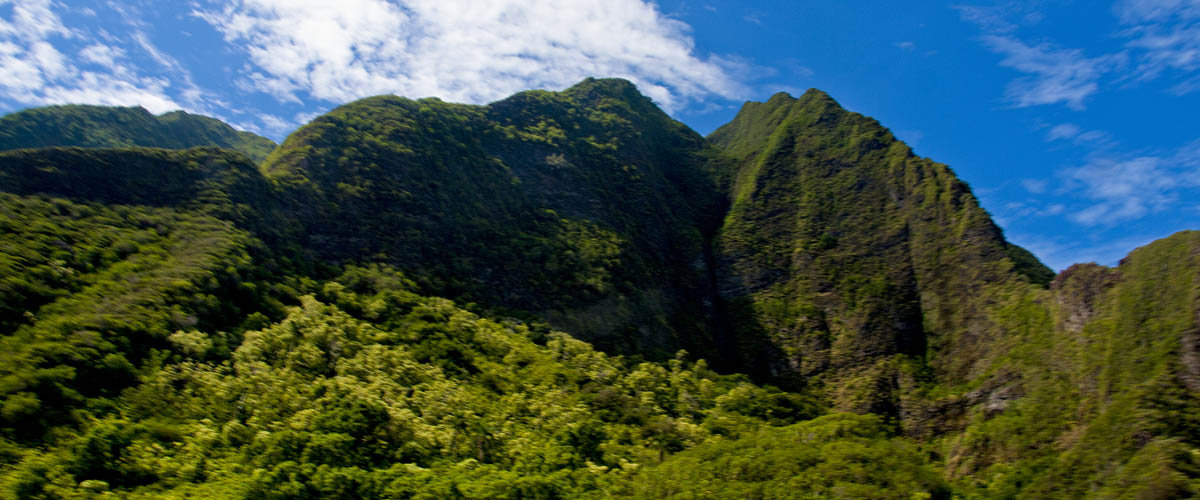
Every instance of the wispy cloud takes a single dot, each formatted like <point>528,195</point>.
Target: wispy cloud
<point>463,51</point>
<point>1165,36</point>
<point>34,71</point>
<point>1162,37</point>
<point>1035,186</point>
<point>1070,132</point>
<point>102,55</point>
<point>1060,253</point>
<point>1063,131</point>
<point>1131,187</point>
<point>991,18</point>
<point>1053,75</point>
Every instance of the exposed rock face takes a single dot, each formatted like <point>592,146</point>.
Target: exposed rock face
<point>1078,290</point>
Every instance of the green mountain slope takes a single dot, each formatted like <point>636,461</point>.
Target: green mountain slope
<point>417,299</point>
<point>588,207</point>
<point>1099,396</point>
<point>208,180</point>
<point>367,390</point>
<point>103,126</point>
<point>91,293</point>
<point>842,250</point>
<point>873,277</point>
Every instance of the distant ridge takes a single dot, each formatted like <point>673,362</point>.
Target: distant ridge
<point>105,126</point>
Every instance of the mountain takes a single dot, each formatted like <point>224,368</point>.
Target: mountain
<point>103,126</point>
<point>842,250</point>
<point>859,272</point>
<point>589,208</point>
<point>571,295</point>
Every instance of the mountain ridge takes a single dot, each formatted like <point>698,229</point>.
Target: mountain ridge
<point>101,126</point>
<point>802,245</point>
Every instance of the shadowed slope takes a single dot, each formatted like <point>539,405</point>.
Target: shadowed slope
<point>589,207</point>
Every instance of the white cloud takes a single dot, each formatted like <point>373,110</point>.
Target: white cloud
<point>1071,132</point>
<point>1060,252</point>
<point>101,54</point>
<point>32,20</point>
<point>1035,186</point>
<point>1165,35</point>
<point>33,71</point>
<point>994,18</point>
<point>1162,38</point>
<point>1124,189</point>
<point>103,89</point>
<point>1063,131</point>
<point>1053,75</point>
<point>1135,11</point>
<point>463,50</point>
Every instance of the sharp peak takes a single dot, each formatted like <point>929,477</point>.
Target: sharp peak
<point>785,100</point>
<point>810,95</point>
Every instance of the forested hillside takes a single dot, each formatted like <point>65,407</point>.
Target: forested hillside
<point>589,208</point>
<point>103,126</point>
<point>568,295</point>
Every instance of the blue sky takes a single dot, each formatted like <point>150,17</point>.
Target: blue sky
<point>1077,123</point>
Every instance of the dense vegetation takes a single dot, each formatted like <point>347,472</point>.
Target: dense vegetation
<point>589,207</point>
<point>843,250</point>
<point>570,295</point>
<point>103,126</point>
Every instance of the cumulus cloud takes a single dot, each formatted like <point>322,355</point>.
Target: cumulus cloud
<point>34,71</point>
<point>463,50</point>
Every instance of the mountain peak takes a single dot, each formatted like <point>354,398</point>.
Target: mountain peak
<point>815,93</point>
<point>785,99</point>
<point>616,85</point>
<point>829,210</point>
<point>592,89</point>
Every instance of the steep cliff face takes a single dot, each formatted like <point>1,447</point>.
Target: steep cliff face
<point>588,207</point>
<point>872,277</point>
<point>1096,397</point>
<point>842,250</point>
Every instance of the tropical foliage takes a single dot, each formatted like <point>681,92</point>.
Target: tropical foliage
<point>566,295</point>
